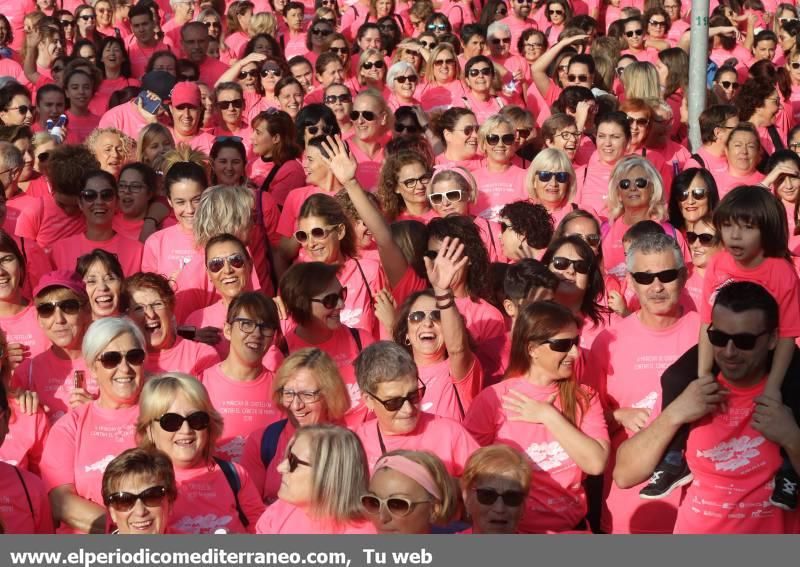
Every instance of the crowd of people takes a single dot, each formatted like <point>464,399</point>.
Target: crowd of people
<point>391,266</point>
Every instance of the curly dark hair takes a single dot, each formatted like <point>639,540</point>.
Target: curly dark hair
<point>74,162</point>
<point>465,229</point>
<point>530,220</point>
<point>751,96</point>
<point>391,201</point>
<point>401,321</point>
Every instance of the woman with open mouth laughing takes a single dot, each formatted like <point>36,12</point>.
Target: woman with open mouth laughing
<point>102,274</point>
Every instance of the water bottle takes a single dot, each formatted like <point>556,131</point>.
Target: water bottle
<point>58,131</point>
<point>510,87</point>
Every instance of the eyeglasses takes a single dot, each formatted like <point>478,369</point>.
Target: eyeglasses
<point>639,182</point>
<point>172,422</point>
<point>318,233</point>
<point>226,104</point>
<point>67,307</point>
<point>485,71</point>
<point>321,31</point>
<point>333,99</point>
<point>22,109</point>
<point>494,139</point>
<point>331,301</point>
<point>642,122</point>
<point>453,196</point>
<point>632,33</point>
<point>112,358</point>
<point>394,404</point>
<point>411,182</point>
<point>523,133</point>
<point>235,261</point>
<point>248,326</point>
<point>439,27</point>
<point>295,461</point>
<point>139,310</point>
<point>729,85</point>
<point>419,316</point>
<point>379,64</point>
<point>125,501</point>
<point>314,130</point>
<point>561,176</point>
<point>697,193</point>
<point>560,263</point>
<point>577,78</point>
<point>488,496</point>
<point>409,78</point>
<point>664,276</point>
<point>704,238</point>
<point>658,23</point>
<point>503,40</point>
<point>410,128</point>
<point>568,135</point>
<point>396,505</point>
<point>556,12</point>
<point>305,396</point>
<point>132,188</point>
<point>443,62</point>
<point>562,345</point>
<point>742,341</point>
<point>271,71</point>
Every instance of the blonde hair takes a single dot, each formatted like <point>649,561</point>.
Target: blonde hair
<point>224,209</point>
<point>263,22</point>
<point>428,72</point>
<point>331,385</point>
<point>490,124</point>
<point>128,143</point>
<point>461,177</point>
<point>656,209</point>
<point>146,137</point>
<point>380,101</point>
<point>41,138</point>
<point>554,160</point>
<point>158,395</point>
<point>640,80</point>
<point>497,461</point>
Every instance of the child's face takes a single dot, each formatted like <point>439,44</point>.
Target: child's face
<point>743,241</point>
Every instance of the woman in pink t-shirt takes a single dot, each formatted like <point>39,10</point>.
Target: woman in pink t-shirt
<point>83,442</point>
<point>373,121</point>
<point>693,196</point>
<point>542,410</point>
<point>613,137</point>
<point>177,417</point>
<point>402,79</point>
<point>102,275</point>
<point>458,129</point>
<point>551,182</point>
<point>307,503</point>
<point>760,103</point>
<point>442,88</point>
<point>703,244</point>
<point>743,151</point>
<point>783,178</point>
<point>230,118</point>
<point>137,188</point>
<point>80,88</point>
<point>276,154</point>
<point>402,187</point>
<point>479,74</point>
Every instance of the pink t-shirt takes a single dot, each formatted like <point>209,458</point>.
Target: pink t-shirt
<point>168,251</point>
<point>65,252</point>
<point>290,176</point>
<point>211,70</point>
<point>369,167</point>
<point>714,164</point>
<point>80,447</point>
<point>482,109</point>
<point>81,126</point>
<point>125,117</point>
<point>614,251</point>
<point>726,181</point>
<point>776,275</point>
<point>593,185</point>
<point>24,442</point>
<point>245,406</point>
<point>287,224</point>
<point>557,500</point>
<point>139,54</point>
<point>498,189</point>
<point>361,284</point>
<point>212,316</point>
<point>487,327</point>
<point>24,328</point>
<point>206,501</point>
<point>46,223</point>
<point>629,358</point>
<point>127,228</point>
<point>102,97</point>
<point>446,397</point>
<point>517,26</point>
<point>284,518</point>
<point>17,500</point>
<point>445,438</point>
<point>184,356</point>
<point>435,96</point>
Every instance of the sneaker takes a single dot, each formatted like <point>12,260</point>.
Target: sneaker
<point>665,479</point>
<point>784,495</point>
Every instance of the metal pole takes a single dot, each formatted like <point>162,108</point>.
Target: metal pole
<point>698,69</point>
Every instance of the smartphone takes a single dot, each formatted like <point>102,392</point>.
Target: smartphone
<point>150,105</point>
<point>78,379</point>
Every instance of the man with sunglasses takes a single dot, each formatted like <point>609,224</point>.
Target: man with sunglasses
<point>519,20</point>
<point>627,360</point>
<point>739,438</point>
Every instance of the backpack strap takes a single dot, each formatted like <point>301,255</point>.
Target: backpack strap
<point>269,441</point>
<point>270,176</point>
<point>698,159</point>
<point>775,137</point>
<point>27,494</point>
<point>458,400</point>
<point>273,275</point>
<point>492,242</point>
<point>356,338</point>
<point>232,476</point>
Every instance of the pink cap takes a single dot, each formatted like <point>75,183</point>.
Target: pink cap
<point>61,278</point>
<point>185,93</point>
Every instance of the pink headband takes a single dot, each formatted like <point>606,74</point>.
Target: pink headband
<point>457,170</point>
<point>412,470</point>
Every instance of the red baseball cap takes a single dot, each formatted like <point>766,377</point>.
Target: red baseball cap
<point>61,278</point>
<point>185,93</point>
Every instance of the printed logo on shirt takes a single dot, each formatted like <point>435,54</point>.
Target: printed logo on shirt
<point>648,402</point>
<point>734,454</point>
<point>351,317</point>
<point>202,524</point>
<point>99,466</point>
<point>232,450</point>
<point>355,394</point>
<point>547,456</point>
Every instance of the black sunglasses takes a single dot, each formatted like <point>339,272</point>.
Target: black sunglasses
<point>577,78</point>
<point>125,501</point>
<point>634,32</point>
<point>410,128</point>
<point>394,404</point>
<point>368,115</point>
<point>561,176</point>
<point>226,104</point>
<point>314,129</point>
<point>698,193</point>
<point>333,99</point>
<point>331,300</point>
<point>295,461</point>
<point>499,40</point>
<point>236,261</point>
<point>43,157</point>
<point>274,71</point>
<point>742,341</point>
<point>173,422</point>
<point>626,184</point>
<point>560,263</point>
<point>339,50</point>
<point>488,496</point>
<point>112,358</point>
<point>664,276</point>
<point>90,195</point>
<point>562,345</point>
<point>704,238</point>
<point>590,239</point>
<point>410,79</point>
<point>67,306</point>
<point>485,71</point>
<point>731,84</point>
<point>321,31</point>
<point>494,139</point>
<point>377,64</point>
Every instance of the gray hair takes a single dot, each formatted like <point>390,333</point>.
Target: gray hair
<point>495,27</point>
<point>397,69</point>
<point>383,361</point>
<point>656,209</point>
<point>105,330</point>
<point>654,243</point>
<point>10,156</point>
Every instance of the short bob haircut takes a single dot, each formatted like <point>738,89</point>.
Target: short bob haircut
<point>109,261</point>
<point>445,508</point>
<point>490,124</point>
<point>497,461</point>
<point>157,396</point>
<point>329,209</point>
<point>258,306</point>
<point>381,362</point>
<point>331,384</point>
<point>336,453</point>
<point>752,204</point>
<point>656,209</point>
<point>145,281</point>
<point>105,330</point>
<point>555,160</point>
<point>683,182</point>
<point>300,283</point>
<point>140,463</point>
<point>224,209</point>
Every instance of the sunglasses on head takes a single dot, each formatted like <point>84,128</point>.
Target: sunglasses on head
<point>562,345</point>
<point>379,64</point>
<point>112,358</point>
<point>452,196</point>
<point>664,276</point>
<point>235,261</point>
<point>639,182</point>
<point>395,505</point>
<point>560,263</point>
<point>728,85</point>
<point>704,238</point>
<point>125,501</point>
<point>419,316</point>
<point>485,71</point>
<point>632,33</point>
<point>394,404</point>
<point>410,128</point>
<point>173,422</point>
<point>409,78</point>
<point>488,496</point>
<point>333,99</point>
<point>295,461</point>
<point>90,195</point>
<point>67,307</point>
<point>331,300</point>
<point>494,139</point>
<point>368,115</point>
<point>318,233</point>
<point>561,176</point>
<point>226,104</point>
<point>577,78</point>
<point>742,341</point>
<point>499,40</point>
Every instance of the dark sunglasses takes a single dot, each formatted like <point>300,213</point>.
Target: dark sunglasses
<point>488,496</point>
<point>125,501</point>
<point>396,505</point>
<point>339,50</point>
<point>23,109</point>
<point>236,261</point>
<point>67,306</point>
<point>321,31</point>
<point>274,71</point>
<point>295,461</point>
<point>410,79</point>
<point>698,193</point>
<point>634,32</point>
<point>453,196</point>
<point>658,23</point>
<point>43,157</point>
<point>795,64</point>
<point>368,115</point>
<point>468,130</point>
<point>561,176</point>
<point>419,316</point>
<point>314,129</point>
<point>485,71</point>
<point>556,12</point>
<point>562,345</point>
<point>90,195</point>
<point>639,182</point>
<point>66,23</point>
<point>704,238</point>
<point>333,99</point>
<point>742,341</point>
<point>394,404</point>
<point>427,44</point>
<point>523,133</point>
<point>173,422</point>
<point>560,263</point>
<point>112,358</point>
<point>494,139</point>
<point>318,233</point>
<point>331,300</point>
<point>441,62</point>
<point>501,11</point>
<point>499,40</point>
<point>377,64</point>
<point>440,27</point>
<point>590,239</point>
<point>410,128</point>
<point>727,85</point>
<point>638,121</point>
<point>87,18</point>
<point>664,276</point>
<point>226,104</point>
<point>577,78</point>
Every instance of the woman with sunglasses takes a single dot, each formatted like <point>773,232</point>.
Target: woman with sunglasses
<point>499,180</point>
<point>542,409</point>
<point>479,74</point>
<point>549,72</point>
<point>87,24</point>
<point>374,122</point>
<point>726,84</point>
<point>229,116</point>
<point>247,73</point>
<point>314,120</point>
<point>640,117</point>
<point>494,486</point>
<point>693,196</point>
<point>402,187</point>
<point>139,492</point>
<point>339,99</point>
<point>783,179</point>
<point>98,202</point>
<point>442,88</point>
<point>307,502</point>
<point>79,444</point>
<point>318,32</point>
<point>457,128</point>
<point>410,492</point>
<point>176,416</point>
<point>633,37</point>
<point>372,70</point>
<point>556,14</point>
<point>402,80</point>
<point>550,181</point>
<point>703,244</point>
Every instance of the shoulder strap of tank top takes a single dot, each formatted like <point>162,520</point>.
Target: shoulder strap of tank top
<point>775,137</point>
<point>491,241</point>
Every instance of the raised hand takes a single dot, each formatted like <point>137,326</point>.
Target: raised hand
<point>386,309</point>
<point>450,259</point>
<point>339,161</point>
